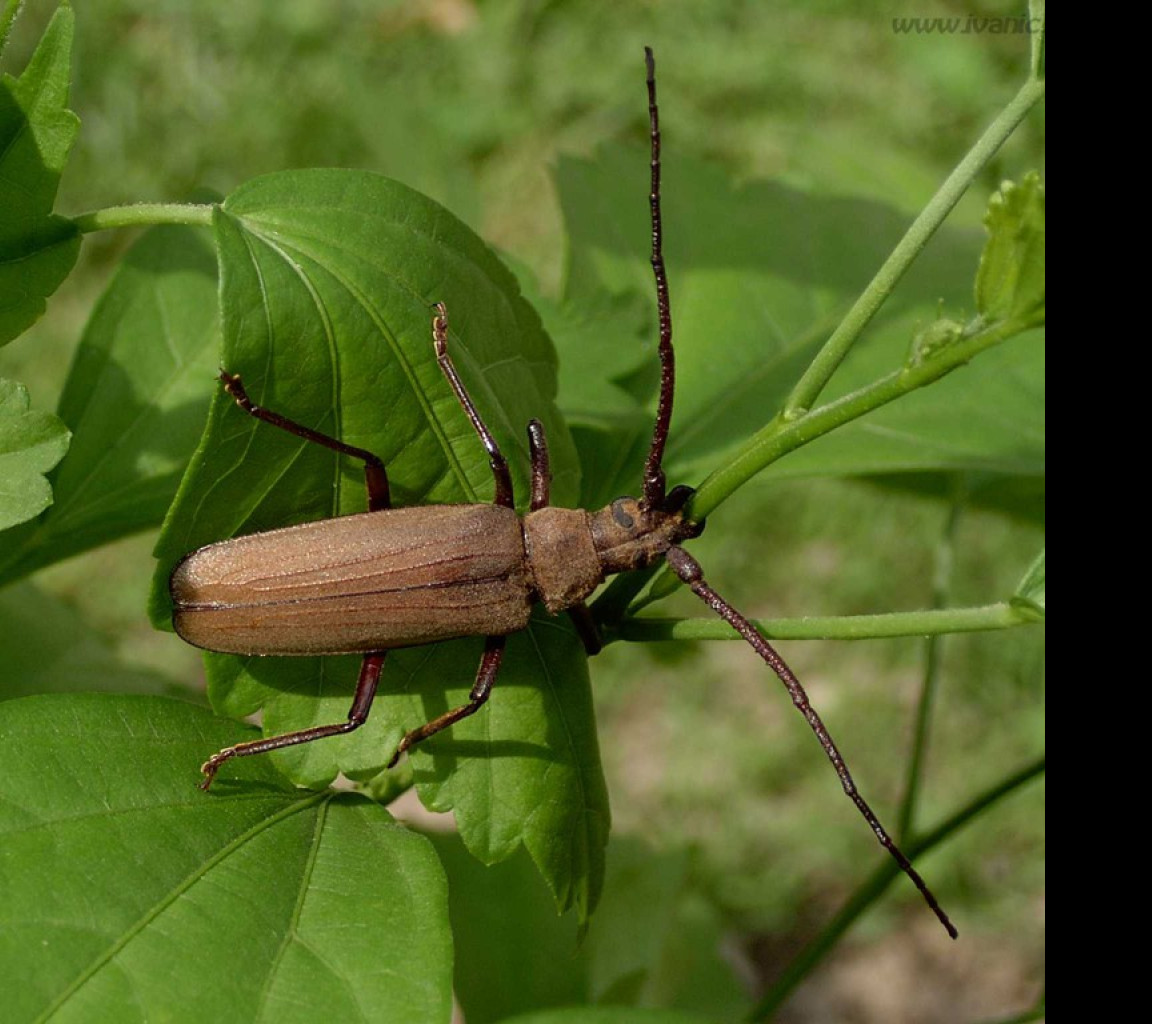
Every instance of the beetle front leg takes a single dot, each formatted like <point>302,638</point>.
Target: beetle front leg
<point>481,690</point>
<point>357,716</point>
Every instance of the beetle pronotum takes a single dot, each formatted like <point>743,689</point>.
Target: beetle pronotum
<point>402,577</point>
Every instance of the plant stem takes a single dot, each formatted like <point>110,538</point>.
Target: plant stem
<point>144,215</point>
<point>829,358</point>
<point>1036,14</point>
<point>941,588</point>
<point>929,622</point>
<point>782,436</point>
<point>873,887</point>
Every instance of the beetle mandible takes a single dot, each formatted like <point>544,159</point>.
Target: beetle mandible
<point>402,577</point>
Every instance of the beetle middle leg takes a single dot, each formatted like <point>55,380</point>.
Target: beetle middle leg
<point>375,475</point>
<point>481,690</point>
<point>357,716</point>
<point>580,614</point>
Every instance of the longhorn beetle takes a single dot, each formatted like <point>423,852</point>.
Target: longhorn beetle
<point>402,577</point>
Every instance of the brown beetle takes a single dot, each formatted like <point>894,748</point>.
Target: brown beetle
<point>403,577</point>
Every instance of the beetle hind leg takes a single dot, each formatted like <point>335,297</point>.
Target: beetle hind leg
<point>481,690</point>
<point>357,716</point>
<point>375,476</point>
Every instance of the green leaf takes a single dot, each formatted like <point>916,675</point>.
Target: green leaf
<point>513,953</point>
<point>759,275</point>
<point>987,418</point>
<point>328,278</point>
<point>37,248</point>
<point>609,1015</point>
<point>47,647</point>
<point>8,15</point>
<point>136,398</point>
<point>1031,592</point>
<point>606,410</point>
<point>657,941</point>
<point>31,443</point>
<point>130,896</point>
<point>1011,279</point>
<point>654,942</point>
<point>525,770</point>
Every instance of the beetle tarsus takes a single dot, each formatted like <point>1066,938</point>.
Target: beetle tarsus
<point>357,715</point>
<point>210,767</point>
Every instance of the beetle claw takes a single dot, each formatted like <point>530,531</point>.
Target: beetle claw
<point>209,769</point>
<point>404,745</point>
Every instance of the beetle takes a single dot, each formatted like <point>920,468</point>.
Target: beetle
<point>402,577</point>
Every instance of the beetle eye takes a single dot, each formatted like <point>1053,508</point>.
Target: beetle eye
<point>621,514</point>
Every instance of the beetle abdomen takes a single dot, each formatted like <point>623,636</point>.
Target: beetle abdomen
<point>369,582</point>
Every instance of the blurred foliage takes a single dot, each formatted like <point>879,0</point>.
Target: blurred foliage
<point>469,103</point>
<point>473,104</point>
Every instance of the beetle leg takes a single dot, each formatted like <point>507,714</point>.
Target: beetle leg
<point>374,474</point>
<point>495,457</point>
<point>357,716</point>
<point>481,689</point>
<point>688,569</point>
<point>581,616</point>
<point>541,494</point>
<point>541,468</point>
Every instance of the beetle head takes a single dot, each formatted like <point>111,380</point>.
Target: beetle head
<point>630,535</point>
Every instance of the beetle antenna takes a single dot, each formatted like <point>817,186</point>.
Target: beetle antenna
<point>654,483</point>
<point>688,569</point>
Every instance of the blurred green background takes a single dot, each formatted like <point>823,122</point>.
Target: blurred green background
<point>472,103</point>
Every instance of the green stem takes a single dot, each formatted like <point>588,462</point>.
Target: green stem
<point>1036,14</point>
<point>144,215</point>
<point>941,588</point>
<point>929,622</point>
<point>871,890</point>
<point>782,436</point>
<point>829,358</point>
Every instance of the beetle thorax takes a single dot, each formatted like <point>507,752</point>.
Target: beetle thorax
<point>570,551</point>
